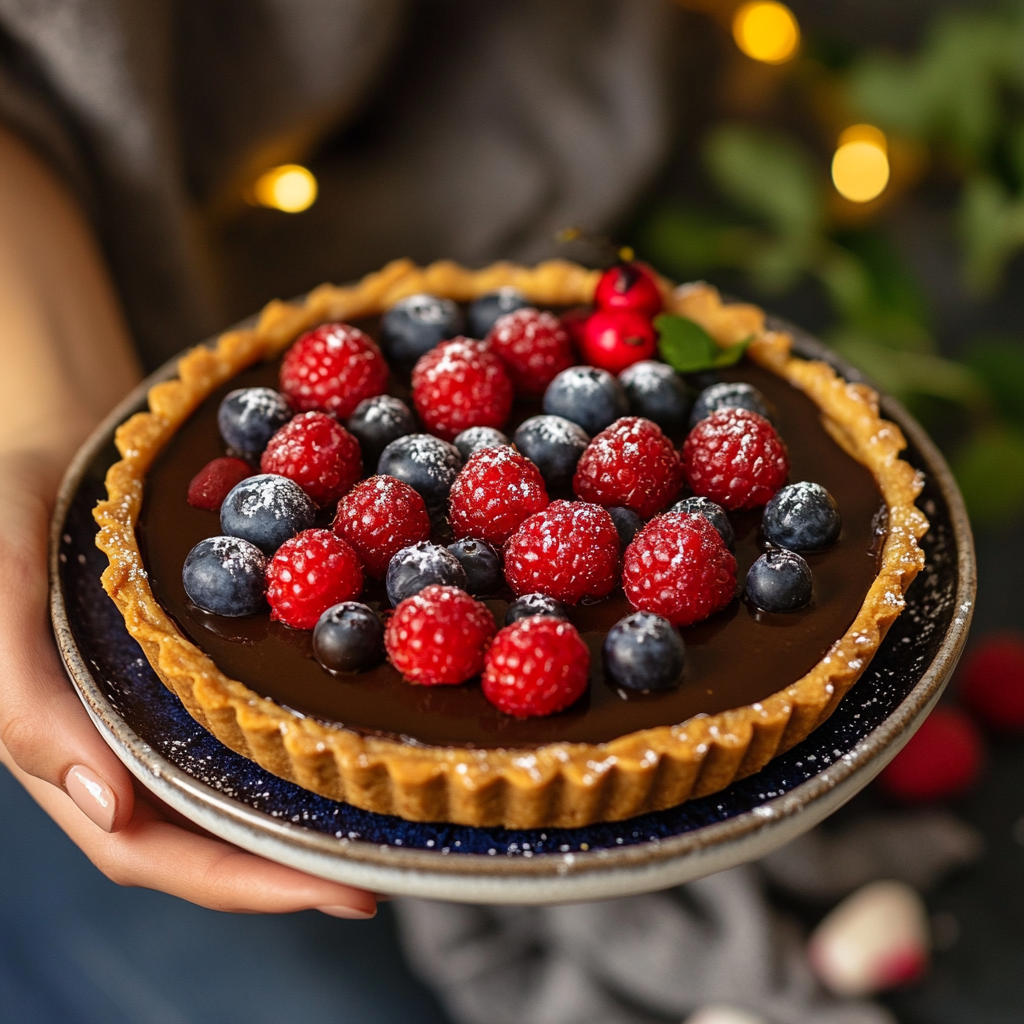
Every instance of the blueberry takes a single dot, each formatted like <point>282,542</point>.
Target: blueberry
<point>588,396</point>
<point>728,396</point>
<point>348,637</point>
<point>657,392</point>
<point>627,524</point>
<point>420,565</point>
<point>426,463</point>
<point>483,312</point>
<point>713,513</point>
<point>643,652</point>
<point>226,576</point>
<point>413,326</point>
<point>802,517</point>
<point>377,422</point>
<point>249,417</point>
<point>535,604</point>
<point>554,445</point>
<point>780,581</point>
<point>267,510</point>
<point>475,439</point>
<point>481,564</point>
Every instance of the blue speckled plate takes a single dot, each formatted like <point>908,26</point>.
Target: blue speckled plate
<point>236,799</point>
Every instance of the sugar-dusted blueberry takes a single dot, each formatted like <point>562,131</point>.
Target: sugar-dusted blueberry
<point>249,417</point>
<point>377,422</point>
<point>226,576</point>
<point>475,439</point>
<point>426,463</point>
<point>414,325</point>
<point>535,604</point>
<point>419,566</point>
<point>780,581</point>
<point>643,652</point>
<point>728,396</point>
<point>590,397</point>
<point>802,517</point>
<point>627,524</point>
<point>714,514</point>
<point>483,312</point>
<point>267,510</point>
<point>348,637</point>
<point>658,393</point>
<point>481,564</point>
<point>554,445</point>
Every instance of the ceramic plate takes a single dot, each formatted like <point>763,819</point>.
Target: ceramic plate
<point>239,801</point>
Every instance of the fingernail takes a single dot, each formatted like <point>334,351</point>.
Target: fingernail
<point>91,795</point>
<point>352,913</point>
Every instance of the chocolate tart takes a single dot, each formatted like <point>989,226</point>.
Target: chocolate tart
<point>755,686</point>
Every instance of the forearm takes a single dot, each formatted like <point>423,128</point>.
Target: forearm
<point>67,357</point>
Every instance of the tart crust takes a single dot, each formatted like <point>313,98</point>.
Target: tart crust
<point>559,784</point>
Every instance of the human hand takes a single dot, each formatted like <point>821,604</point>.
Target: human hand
<point>50,745</point>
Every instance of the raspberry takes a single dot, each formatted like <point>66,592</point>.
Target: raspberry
<point>333,368</point>
<point>735,458</point>
<point>496,490</point>
<point>438,636</point>
<point>210,486</point>
<point>992,681</point>
<point>318,453</point>
<point>461,384</point>
<point>378,518</point>
<point>534,347</point>
<point>942,759</point>
<point>679,568</point>
<point>631,463</point>
<point>309,574</point>
<point>569,551</point>
<point>536,666</point>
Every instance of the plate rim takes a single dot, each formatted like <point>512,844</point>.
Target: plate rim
<point>707,848</point>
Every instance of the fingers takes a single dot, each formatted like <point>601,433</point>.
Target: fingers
<point>151,852</point>
<point>43,725</point>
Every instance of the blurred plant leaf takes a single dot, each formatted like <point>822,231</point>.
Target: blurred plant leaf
<point>991,223</point>
<point>767,175</point>
<point>990,470</point>
<point>688,348</point>
<point>999,362</point>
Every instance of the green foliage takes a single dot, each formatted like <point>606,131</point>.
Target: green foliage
<point>990,471</point>
<point>999,364</point>
<point>688,348</point>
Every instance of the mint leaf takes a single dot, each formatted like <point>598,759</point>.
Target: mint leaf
<point>684,344</point>
<point>733,354</point>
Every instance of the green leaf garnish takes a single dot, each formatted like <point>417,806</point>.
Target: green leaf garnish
<point>688,348</point>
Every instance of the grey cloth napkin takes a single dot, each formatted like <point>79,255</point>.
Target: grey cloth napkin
<point>659,957</point>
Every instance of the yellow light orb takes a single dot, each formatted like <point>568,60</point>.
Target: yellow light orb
<point>766,31</point>
<point>860,166</point>
<point>290,188</point>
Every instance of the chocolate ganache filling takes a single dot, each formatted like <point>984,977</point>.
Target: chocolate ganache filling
<point>736,657</point>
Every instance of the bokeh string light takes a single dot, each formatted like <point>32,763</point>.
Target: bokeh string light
<point>290,188</point>
<point>860,165</point>
<point>766,31</point>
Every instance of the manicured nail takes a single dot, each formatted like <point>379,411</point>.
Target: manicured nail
<point>352,913</point>
<point>92,795</point>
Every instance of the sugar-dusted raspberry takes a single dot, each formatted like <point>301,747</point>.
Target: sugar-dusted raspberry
<point>496,490</point>
<point>735,458</point>
<point>536,666</point>
<point>378,518</point>
<point>210,486</point>
<point>308,574</point>
<point>459,384</point>
<point>569,551</point>
<point>632,464</point>
<point>678,567</point>
<point>333,368</point>
<point>534,346</point>
<point>439,636</point>
<point>318,453</point>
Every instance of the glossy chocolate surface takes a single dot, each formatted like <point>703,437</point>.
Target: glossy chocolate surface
<point>736,657</point>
